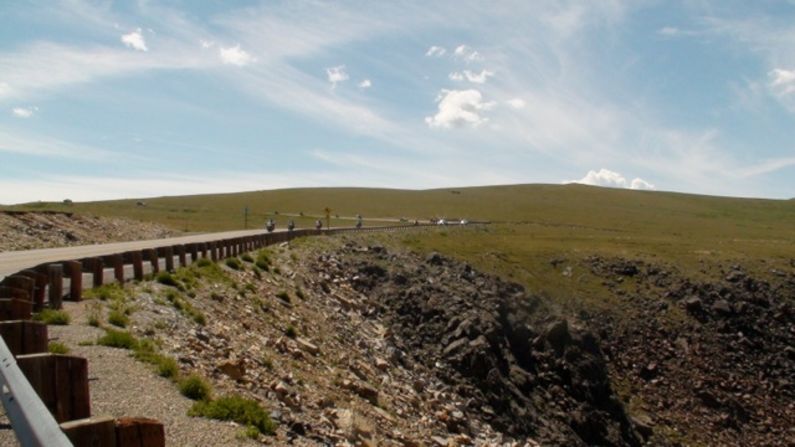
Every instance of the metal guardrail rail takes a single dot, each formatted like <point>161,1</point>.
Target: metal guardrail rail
<point>32,421</point>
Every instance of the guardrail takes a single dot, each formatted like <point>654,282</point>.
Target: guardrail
<point>33,423</point>
<point>46,285</point>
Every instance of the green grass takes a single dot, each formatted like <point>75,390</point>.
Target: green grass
<point>234,264</point>
<point>118,339</point>
<point>168,279</point>
<point>246,412</point>
<point>55,347</point>
<point>118,318</point>
<point>53,317</point>
<point>105,292</point>
<point>195,387</point>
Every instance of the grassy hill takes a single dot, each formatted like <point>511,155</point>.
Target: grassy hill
<point>531,223</point>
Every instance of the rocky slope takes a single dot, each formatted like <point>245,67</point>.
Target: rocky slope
<point>349,341</point>
<point>28,230</point>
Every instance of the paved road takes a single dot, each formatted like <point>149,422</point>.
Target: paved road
<point>14,261</point>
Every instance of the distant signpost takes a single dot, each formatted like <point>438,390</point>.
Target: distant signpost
<point>328,217</point>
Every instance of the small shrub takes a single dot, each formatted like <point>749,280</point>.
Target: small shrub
<point>284,296</point>
<point>250,287</point>
<point>118,339</point>
<point>247,258</point>
<point>234,264</point>
<point>118,319</point>
<point>57,348</point>
<point>94,314</point>
<point>167,279</point>
<point>257,272</point>
<point>195,387</point>
<point>291,331</point>
<point>300,293</point>
<point>146,351</point>
<point>198,317</point>
<point>262,266</point>
<point>52,316</point>
<point>204,262</point>
<point>106,292</point>
<point>277,271</point>
<point>238,409</point>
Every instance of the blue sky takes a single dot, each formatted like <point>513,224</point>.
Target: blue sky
<point>104,99</point>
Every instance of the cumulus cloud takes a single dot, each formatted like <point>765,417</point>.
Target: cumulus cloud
<point>516,103</point>
<point>24,112</point>
<point>337,74</point>
<point>458,108</point>
<point>783,81</point>
<point>206,43</point>
<point>611,179</point>
<point>466,53</point>
<point>365,84</point>
<point>435,51</point>
<point>235,56</point>
<point>475,78</point>
<point>135,40</point>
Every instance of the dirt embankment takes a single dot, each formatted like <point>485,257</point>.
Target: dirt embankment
<point>29,230</point>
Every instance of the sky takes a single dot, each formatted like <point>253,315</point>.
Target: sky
<point>103,100</point>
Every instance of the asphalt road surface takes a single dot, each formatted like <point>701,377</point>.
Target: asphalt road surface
<point>14,261</point>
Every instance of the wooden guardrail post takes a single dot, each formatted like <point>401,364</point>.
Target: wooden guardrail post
<point>204,248</point>
<point>96,267</point>
<point>137,260</point>
<point>213,246</point>
<point>21,282</point>
<point>24,336</point>
<point>55,285</point>
<point>139,432</point>
<point>93,431</point>
<point>15,309</point>
<point>194,252</point>
<point>117,263</point>
<point>74,270</point>
<point>150,254</point>
<point>168,254</point>
<point>61,381</point>
<point>40,288</point>
<point>181,254</point>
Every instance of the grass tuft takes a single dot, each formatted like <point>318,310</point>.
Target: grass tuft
<point>52,316</point>
<point>195,387</point>
<point>55,347</point>
<point>235,408</point>
<point>118,339</point>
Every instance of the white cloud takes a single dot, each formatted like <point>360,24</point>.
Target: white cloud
<point>459,108</point>
<point>475,78</point>
<point>669,31</point>
<point>135,40</point>
<point>235,56</point>
<point>611,179</point>
<point>365,84</point>
<point>783,81</point>
<point>467,54</point>
<point>5,89</point>
<point>435,51</point>
<point>206,43</point>
<point>516,103</point>
<point>24,112</point>
<point>336,74</point>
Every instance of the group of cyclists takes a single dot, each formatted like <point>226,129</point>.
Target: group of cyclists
<point>271,224</point>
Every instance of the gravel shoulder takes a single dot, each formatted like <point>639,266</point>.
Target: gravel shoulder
<point>121,386</point>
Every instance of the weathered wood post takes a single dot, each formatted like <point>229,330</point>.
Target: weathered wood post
<point>61,381</point>
<point>194,252</point>
<point>168,254</point>
<point>213,251</point>
<point>24,336</point>
<point>181,254</point>
<point>136,258</point>
<point>96,267</point>
<point>74,270</point>
<point>150,254</point>
<point>40,289</point>
<point>55,285</point>
<point>117,262</point>
<point>15,309</point>
<point>139,432</point>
